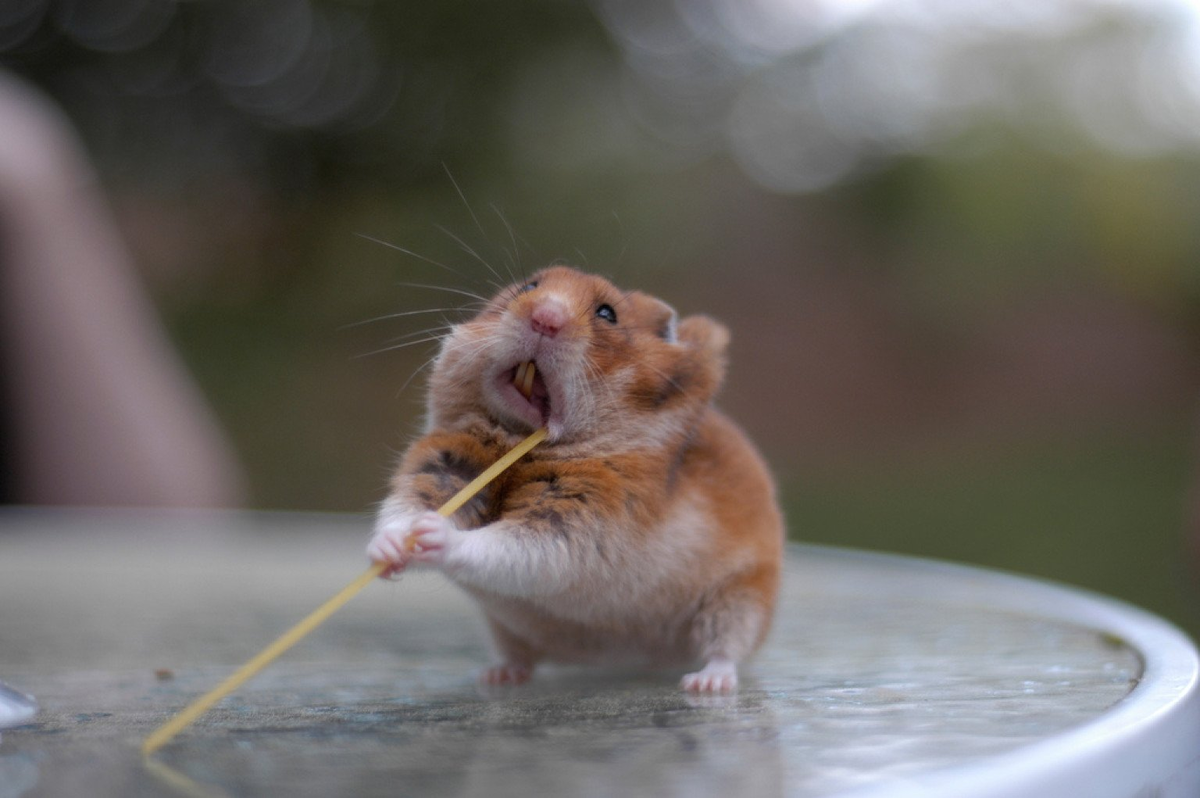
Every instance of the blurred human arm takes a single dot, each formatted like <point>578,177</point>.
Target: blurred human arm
<point>102,410</point>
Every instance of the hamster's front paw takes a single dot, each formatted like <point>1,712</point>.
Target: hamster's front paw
<point>718,676</point>
<point>388,546</point>
<point>407,538</point>
<point>430,537</point>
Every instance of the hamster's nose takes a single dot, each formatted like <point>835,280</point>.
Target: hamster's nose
<point>548,318</point>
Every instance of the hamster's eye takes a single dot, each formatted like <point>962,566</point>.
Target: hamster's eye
<point>527,287</point>
<point>607,313</point>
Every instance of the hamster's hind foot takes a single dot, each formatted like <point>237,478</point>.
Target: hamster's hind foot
<point>506,673</point>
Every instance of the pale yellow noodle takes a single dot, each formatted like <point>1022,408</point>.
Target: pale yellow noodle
<point>168,730</point>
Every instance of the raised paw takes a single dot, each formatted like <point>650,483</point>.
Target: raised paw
<point>505,673</point>
<point>429,537</point>
<point>718,676</point>
<point>406,538</point>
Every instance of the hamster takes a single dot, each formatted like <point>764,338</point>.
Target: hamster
<point>644,530</point>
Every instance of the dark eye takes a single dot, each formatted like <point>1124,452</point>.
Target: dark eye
<point>527,287</point>
<point>607,313</point>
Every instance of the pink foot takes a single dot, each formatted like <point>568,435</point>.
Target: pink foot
<point>718,676</point>
<point>506,673</point>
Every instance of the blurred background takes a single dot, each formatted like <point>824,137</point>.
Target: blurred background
<point>957,242</point>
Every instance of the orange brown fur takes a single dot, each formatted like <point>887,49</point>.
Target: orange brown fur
<point>644,529</point>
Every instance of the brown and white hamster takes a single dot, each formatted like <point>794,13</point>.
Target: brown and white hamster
<point>644,529</point>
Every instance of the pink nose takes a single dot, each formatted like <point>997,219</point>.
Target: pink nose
<point>548,318</point>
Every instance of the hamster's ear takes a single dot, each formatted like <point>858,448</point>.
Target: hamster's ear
<point>662,317</point>
<point>704,334</point>
<point>707,340</point>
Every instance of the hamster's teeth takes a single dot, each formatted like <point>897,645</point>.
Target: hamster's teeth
<point>524,378</point>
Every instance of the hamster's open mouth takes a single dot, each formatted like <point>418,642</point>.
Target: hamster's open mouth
<point>525,388</point>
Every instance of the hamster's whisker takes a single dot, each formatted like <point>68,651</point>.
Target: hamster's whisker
<point>429,361</point>
<point>463,197</point>
<point>478,225</point>
<point>446,324</point>
<point>438,331</point>
<point>448,289</point>
<point>465,247</point>
<point>402,314</point>
<point>514,290</point>
<point>468,349</point>
<point>515,258</point>
<point>597,380</point>
<point>395,347</point>
<point>612,394</point>
<point>584,406</point>
<point>413,254</point>
<point>589,310</point>
<point>624,240</point>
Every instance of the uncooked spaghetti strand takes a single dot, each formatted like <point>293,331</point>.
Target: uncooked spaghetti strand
<point>168,730</point>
